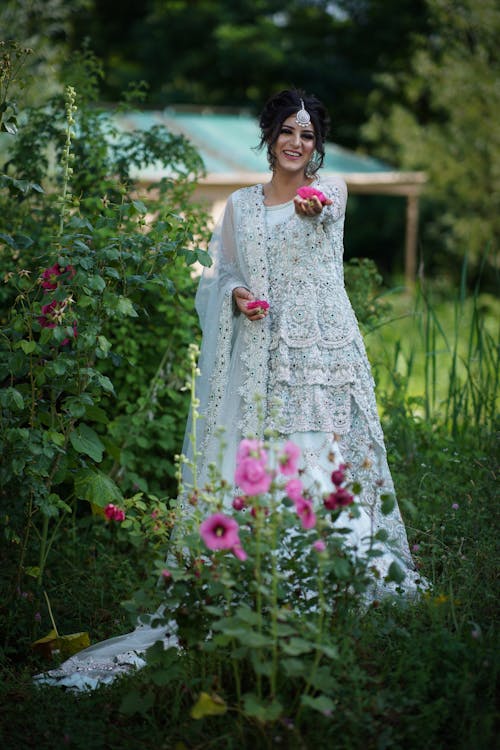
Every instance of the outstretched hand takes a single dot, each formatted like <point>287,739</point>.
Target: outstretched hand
<point>242,297</point>
<point>310,206</point>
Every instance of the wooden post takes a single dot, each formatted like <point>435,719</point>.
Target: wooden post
<point>411,239</point>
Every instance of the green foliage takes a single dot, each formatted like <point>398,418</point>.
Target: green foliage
<point>442,123</point>
<point>86,261</point>
<point>363,284</point>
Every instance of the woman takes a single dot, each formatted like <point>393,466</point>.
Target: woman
<point>300,365</point>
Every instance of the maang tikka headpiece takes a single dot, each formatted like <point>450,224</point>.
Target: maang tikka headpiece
<point>303,118</point>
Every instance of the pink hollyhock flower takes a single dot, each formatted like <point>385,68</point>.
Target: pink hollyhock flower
<point>49,317</point>
<point>289,458</point>
<point>255,303</point>
<point>252,477</point>
<point>338,499</point>
<point>239,552</point>
<point>53,315</point>
<point>251,447</point>
<point>293,489</point>
<point>219,532</point>
<point>319,545</point>
<point>308,193</point>
<point>338,476</point>
<point>306,513</point>
<point>50,276</point>
<point>239,502</point>
<point>113,513</point>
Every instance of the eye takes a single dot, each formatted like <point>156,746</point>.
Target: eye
<point>308,136</point>
<point>285,131</point>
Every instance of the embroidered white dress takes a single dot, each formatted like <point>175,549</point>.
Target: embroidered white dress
<point>302,370</point>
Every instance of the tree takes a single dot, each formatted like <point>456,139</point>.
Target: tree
<point>445,122</point>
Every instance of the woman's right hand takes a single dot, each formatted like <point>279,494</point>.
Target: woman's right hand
<point>241,297</point>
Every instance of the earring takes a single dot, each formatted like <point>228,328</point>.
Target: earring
<point>312,166</point>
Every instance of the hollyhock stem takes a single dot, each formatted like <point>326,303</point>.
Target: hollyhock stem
<point>319,634</point>
<point>193,352</point>
<point>66,155</point>
<point>274,603</point>
<point>258,580</point>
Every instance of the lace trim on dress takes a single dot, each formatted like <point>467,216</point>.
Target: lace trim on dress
<point>219,380</point>
<point>256,334</point>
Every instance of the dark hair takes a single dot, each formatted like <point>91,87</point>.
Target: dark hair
<point>286,103</point>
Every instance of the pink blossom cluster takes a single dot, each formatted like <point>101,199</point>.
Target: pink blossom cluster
<point>254,477</point>
<point>53,312</point>
<point>303,505</point>
<point>252,474</point>
<point>341,497</point>
<point>306,192</point>
<point>50,276</point>
<point>113,513</point>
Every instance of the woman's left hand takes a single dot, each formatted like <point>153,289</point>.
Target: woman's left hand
<point>310,206</point>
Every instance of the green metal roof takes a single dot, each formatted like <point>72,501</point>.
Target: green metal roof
<point>226,142</point>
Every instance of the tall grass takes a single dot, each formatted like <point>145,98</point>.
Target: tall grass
<point>443,357</point>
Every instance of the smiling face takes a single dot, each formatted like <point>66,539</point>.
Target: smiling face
<point>294,146</point>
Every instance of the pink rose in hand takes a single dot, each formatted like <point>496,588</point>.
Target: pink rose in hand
<point>306,192</point>
<point>258,303</point>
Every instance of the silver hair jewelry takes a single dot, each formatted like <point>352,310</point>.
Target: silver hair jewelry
<point>303,118</point>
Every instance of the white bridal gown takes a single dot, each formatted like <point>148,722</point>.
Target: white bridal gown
<point>302,370</point>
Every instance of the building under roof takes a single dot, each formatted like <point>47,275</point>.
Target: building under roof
<point>226,143</point>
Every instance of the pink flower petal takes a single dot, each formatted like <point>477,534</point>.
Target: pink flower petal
<point>253,304</point>
<point>307,193</point>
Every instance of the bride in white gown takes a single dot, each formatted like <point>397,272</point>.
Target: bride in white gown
<point>302,357</point>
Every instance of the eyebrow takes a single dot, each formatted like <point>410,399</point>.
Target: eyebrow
<point>311,132</point>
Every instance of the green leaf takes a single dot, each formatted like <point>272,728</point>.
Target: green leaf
<point>15,398</point>
<point>320,703</point>
<point>388,503</point>
<point>28,347</point>
<point>297,646</point>
<point>97,488</point>
<point>140,207</point>
<point>330,651</point>
<point>85,440</point>
<point>262,711</point>
<point>137,703</point>
<point>395,573</point>
<point>125,307</point>
<point>208,705</point>
<point>56,437</point>
<point>293,667</point>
